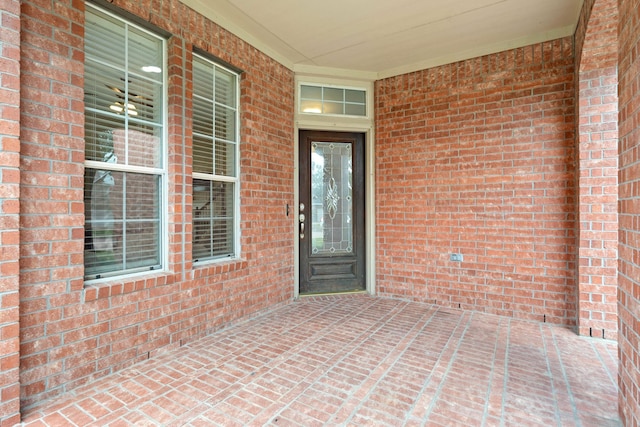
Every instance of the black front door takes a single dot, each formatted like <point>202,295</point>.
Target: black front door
<point>331,222</point>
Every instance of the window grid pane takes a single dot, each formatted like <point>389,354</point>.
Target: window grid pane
<point>213,219</point>
<point>122,229</point>
<point>215,118</point>
<point>124,126</point>
<point>332,101</point>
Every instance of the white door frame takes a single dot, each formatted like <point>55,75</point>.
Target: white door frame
<point>363,125</point>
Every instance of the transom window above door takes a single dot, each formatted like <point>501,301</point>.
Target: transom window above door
<point>332,100</point>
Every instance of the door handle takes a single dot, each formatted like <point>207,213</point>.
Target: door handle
<point>301,219</point>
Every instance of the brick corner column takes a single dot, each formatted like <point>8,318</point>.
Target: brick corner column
<point>9,212</point>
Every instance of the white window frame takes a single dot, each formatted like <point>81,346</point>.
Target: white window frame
<point>161,172</point>
<point>322,86</point>
<point>236,252</point>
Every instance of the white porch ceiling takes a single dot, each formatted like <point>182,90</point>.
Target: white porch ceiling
<point>382,38</point>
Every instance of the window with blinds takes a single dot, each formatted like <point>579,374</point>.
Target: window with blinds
<point>124,146</point>
<point>215,160</point>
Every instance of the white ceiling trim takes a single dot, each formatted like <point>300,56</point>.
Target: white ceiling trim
<point>477,52</point>
<point>361,51</point>
<point>259,41</point>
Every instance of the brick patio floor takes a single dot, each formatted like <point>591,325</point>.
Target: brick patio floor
<point>361,361</point>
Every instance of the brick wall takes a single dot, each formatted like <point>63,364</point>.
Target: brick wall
<point>596,44</point>
<point>477,158</point>
<point>9,211</point>
<point>581,28</point>
<point>629,211</point>
<point>70,333</point>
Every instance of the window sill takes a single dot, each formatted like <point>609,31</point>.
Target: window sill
<point>106,288</point>
<point>218,266</point>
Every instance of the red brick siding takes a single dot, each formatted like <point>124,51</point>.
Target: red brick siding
<point>477,158</point>
<point>72,334</point>
<point>581,28</point>
<point>629,211</point>
<point>9,211</point>
<point>598,176</point>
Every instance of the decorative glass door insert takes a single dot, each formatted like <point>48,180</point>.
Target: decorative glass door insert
<point>331,198</point>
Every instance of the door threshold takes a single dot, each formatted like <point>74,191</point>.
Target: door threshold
<point>331,294</point>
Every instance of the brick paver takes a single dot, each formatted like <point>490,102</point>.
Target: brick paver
<point>361,361</point>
